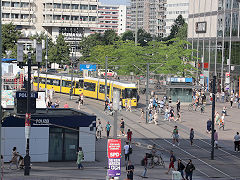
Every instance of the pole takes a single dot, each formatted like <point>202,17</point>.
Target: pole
<point>46,57</point>
<point>147,91</point>
<point>136,25</point>
<point>27,121</point>
<point>1,81</point>
<point>38,75</point>
<point>71,90</point>
<point>115,125</point>
<point>106,66</point>
<point>213,114</point>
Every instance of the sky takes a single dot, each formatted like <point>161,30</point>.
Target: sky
<point>118,2</point>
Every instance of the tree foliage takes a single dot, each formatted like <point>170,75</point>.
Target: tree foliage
<point>182,32</point>
<point>10,36</point>
<point>59,52</point>
<point>165,58</point>
<point>143,37</point>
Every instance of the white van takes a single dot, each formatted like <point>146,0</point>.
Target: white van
<point>101,72</point>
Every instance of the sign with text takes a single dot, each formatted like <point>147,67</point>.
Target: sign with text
<point>114,167</point>
<point>114,148</point>
<point>23,94</point>
<point>89,67</point>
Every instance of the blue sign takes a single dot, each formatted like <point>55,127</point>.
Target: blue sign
<point>89,67</point>
<point>23,95</point>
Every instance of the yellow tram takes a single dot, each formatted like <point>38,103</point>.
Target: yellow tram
<point>90,87</point>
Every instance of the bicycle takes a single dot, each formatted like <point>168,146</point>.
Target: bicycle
<point>197,107</point>
<point>155,160</point>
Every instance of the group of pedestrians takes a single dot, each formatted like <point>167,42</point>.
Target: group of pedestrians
<point>185,171</point>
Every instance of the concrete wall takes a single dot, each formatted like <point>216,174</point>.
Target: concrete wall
<point>87,142</point>
<point>122,19</point>
<point>15,136</point>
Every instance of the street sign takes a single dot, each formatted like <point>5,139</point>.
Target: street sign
<point>23,94</point>
<point>89,67</point>
<point>114,148</point>
<point>114,167</point>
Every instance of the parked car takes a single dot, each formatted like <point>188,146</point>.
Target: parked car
<point>101,72</point>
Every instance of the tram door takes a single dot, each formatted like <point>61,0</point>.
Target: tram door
<point>63,144</point>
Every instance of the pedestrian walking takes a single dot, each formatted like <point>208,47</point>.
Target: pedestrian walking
<point>145,164</point>
<point>171,114</point>
<point>231,101</point>
<point>142,114</point>
<point>189,170</point>
<point>120,105</point>
<point>126,105</point>
<point>51,93</point>
<point>105,105</point>
<point>172,161</point>
<point>122,126</point>
<point>216,139</point>
<point>81,98</point>
<point>223,96</point>
<point>127,151</point>
<point>14,159</point>
<point>129,135</point>
<point>130,170</point>
<point>222,123</point>
<point>181,167</point>
<point>79,101</point>
<point>209,126</point>
<point>178,103</point>
<point>236,142</point>
<point>108,128</point>
<point>175,136</point>
<point>166,113</point>
<point>178,116</point>
<point>130,105</point>
<point>99,129</point>
<point>80,158</point>
<point>150,115</point>
<point>191,136</point>
<point>155,118</point>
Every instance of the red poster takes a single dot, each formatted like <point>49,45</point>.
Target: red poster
<point>27,119</point>
<point>114,148</point>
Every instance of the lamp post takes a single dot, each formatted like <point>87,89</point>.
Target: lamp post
<point>0,79</point>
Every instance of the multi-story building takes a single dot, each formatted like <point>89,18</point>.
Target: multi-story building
<point>111,17</point>
<point>36,16</point>
<point>150,16</point>
<point>214,32</point>
<point>129,19</point>
<point>173,9</point>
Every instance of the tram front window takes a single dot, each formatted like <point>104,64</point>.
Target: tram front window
<point>130,93</point>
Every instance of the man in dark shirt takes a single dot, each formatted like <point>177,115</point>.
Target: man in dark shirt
<point>130,170</point>
<point>189,170</point>
<point>122,126</point>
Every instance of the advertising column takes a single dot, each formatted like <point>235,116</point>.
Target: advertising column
<point>114,157</point>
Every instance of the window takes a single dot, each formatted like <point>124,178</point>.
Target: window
<point>130,93</point>
<point>102,89</point>
<point>15,16</point>
<point>24,5</point>
<point>15,4</point>
<point>75,6</point>
<point>93,7</point>
<point>66,83</point>
<point>56,82</point>
<point>66,6</point>
<point>56,17</point>
<point>5,4</point>
<point>6,15</point>
<point>24,16</point>
<point>74,18</point>
<point>57,6</point>
<point>92,18</point>
<point>42,80</point>
<point>84,7</point>
<point>89,86</point>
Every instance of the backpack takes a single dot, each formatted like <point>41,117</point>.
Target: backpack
<point>130,150</point>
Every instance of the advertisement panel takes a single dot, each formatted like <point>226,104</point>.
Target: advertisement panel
<point>114,167</point>
<point>114,148</point>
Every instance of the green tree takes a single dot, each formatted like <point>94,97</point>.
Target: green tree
<point>128,35</point>
<point>87,43</point>
<point>178,23</point>
<point>182,32</point>
<point>109,37</point>
<point>59,51</point>
<point>10,36</point>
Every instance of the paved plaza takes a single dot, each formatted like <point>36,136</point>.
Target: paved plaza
<point>225,165</point>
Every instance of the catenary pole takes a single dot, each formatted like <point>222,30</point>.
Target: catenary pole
<point>213,114</point>
<point>106,66</point>
<point>136,25</point>
<point>1,80</point>
<point>147,92</point>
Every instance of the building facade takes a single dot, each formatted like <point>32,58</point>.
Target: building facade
<point>111,17</point>
<point>36,16</point>
<point>214,30</point>
<point>173,9</point>
<point>150,16</point>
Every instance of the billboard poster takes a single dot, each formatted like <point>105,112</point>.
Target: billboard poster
<point>114,148</point>
<point>114,157</point>
<point>114,167</point>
